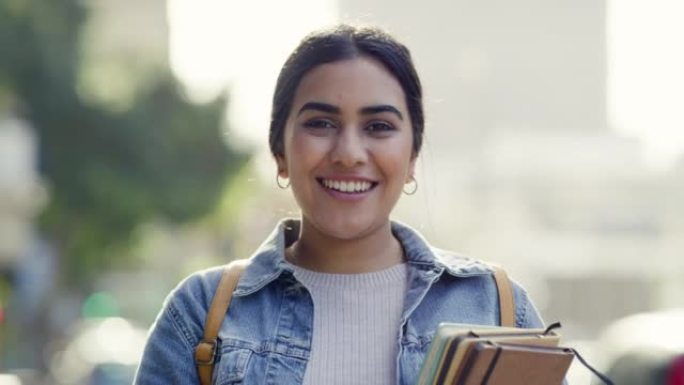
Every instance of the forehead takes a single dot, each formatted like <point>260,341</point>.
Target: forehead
<point>350,83</point>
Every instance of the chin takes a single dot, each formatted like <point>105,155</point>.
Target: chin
<point>348,228</point>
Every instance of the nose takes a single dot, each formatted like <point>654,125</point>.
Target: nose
<point>349,149</point>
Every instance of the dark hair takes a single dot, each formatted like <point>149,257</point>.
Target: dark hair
<point>339,43</point>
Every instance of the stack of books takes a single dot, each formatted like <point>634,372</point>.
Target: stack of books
<point>475,355</point>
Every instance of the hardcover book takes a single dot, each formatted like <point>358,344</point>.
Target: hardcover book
<point>459,350</point>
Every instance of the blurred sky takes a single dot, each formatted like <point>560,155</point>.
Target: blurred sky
<point>645,77</point>
<point>218,44</point>
<point>240,45</point>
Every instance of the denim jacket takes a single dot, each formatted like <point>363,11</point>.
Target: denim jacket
<point>266,335</point>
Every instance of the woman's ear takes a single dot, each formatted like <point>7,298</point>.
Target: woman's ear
<point>282,166</point>
<point>411,169</point>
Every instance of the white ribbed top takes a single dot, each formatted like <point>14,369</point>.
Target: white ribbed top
<point>356,326</point>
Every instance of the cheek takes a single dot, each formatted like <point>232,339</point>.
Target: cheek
<point>304,152</point>
<point>299,144</point>
<point>396,163</point>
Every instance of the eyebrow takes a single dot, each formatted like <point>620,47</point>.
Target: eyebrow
<point>317,106</point>
<point>369,110</point>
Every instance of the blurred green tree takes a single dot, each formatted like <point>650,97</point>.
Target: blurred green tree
<point>107,170</point>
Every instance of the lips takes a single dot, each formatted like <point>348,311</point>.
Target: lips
<point>348,186</point>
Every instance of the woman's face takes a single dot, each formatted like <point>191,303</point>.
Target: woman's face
<point>348,147</point>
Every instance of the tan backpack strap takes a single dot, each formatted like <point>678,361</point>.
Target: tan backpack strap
<point>205,351</point>
<point>506,300</point>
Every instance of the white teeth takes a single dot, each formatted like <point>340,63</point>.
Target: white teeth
<point>347,186</point>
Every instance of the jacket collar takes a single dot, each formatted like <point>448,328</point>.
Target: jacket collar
<point>268,262</point>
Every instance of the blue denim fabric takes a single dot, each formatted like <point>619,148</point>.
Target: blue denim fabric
<point>266,337</point>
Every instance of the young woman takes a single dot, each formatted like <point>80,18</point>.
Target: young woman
<point>342,295</point>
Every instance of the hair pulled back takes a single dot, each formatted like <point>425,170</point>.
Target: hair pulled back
<point>344,42</point>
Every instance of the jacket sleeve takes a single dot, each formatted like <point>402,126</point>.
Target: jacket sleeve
<point>168,357</point>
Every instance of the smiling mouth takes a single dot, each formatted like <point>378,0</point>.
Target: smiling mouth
<point>347,186</point>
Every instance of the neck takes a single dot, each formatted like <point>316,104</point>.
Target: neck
<point>319,252</point>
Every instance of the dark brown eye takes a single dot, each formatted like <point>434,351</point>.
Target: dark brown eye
<point>379,127</point>
<point>319,124</point>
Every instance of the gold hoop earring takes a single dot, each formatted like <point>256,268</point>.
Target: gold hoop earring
<point>280,184</point>
<point>415,186</point>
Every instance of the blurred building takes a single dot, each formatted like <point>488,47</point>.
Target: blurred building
<point>129,31</point>
<point>22,196</point>
<point>496,64</point>
<point>125,46</point>
<point>521,166</point>
<point>21,190</point>
<point>529,173</point>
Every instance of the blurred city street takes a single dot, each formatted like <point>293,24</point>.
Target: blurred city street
<point>133,151</point>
